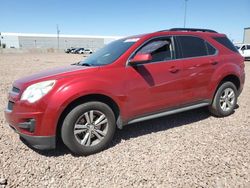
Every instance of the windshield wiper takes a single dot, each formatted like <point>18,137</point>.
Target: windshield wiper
<point>85,64</point>
<point>82,64</point>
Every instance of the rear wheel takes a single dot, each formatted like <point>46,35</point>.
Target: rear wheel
<point>225,100</point>
<point>88,128</point>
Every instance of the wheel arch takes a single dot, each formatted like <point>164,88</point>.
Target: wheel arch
<point>83,99</point>
<point>231,78</point>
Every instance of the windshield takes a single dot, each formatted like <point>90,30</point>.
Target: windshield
<point>109,53</point>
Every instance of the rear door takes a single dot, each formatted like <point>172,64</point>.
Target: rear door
<point>199,61</point>
<point>155,85</point>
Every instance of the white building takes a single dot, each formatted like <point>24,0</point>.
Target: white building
<point>246,39</point>
<point>47,41</point>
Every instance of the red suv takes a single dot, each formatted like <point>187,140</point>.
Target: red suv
<point>130,80</point>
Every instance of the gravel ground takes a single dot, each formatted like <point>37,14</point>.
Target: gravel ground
<point>191,149</point>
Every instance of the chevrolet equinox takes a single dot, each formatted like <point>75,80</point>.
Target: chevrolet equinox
<point>127,81</point>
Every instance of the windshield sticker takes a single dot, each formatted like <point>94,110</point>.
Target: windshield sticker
<point>132,40</point>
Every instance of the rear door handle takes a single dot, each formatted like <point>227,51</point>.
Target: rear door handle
<point>173,69</point>
<point>214,63</point>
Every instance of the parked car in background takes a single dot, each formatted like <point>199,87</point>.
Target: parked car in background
<point>78,51</point>
<point>244,50</point>
<point>87,51</point>
<point>83,51</point>
<point>69,50</point>
<point>129,80</point>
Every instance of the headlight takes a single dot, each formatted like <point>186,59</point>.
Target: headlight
<point>36,91</point>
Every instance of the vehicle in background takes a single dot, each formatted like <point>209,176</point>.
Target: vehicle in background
<point>83,51</point>
<point>69,50</point>
<point>88,51</point>
<point>78,51</point>
<point>244,50</point>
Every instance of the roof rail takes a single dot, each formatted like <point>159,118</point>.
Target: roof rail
<point>191,29</point>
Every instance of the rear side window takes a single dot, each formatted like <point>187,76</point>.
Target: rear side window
<point>194,47</point>
<point>226,42</point>
<point>210,49</point>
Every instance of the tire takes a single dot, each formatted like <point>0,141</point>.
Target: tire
<point>88,128</point>
<point>225,100</point>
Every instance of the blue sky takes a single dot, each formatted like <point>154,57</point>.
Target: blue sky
<point>122,18</point>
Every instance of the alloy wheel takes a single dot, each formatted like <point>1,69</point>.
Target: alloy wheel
<point>91,128</point>
<point>227,99</point>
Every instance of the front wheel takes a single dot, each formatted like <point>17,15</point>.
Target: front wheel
<point>88,128</point>
<point>225,100</point>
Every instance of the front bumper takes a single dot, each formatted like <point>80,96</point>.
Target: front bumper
<point>38,142</point>
<point>29,122</point>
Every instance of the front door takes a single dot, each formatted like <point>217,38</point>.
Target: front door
<point>155,85</point>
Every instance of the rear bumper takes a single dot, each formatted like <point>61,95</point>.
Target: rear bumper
<point>38,142</point>
<point>242,82</point>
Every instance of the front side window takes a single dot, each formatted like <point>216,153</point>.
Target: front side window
<point>194,47</point>
<point>248,47</point>
<point>159,49</point>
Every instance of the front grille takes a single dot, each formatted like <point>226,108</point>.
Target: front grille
<point>15,90</point>
<point>10,105</point>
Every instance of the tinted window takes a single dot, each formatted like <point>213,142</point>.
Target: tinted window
<point>160,49</point>
<point>226,42</point>
<point>210,49</point>
<point>192,46</point>
<point>248,47</point>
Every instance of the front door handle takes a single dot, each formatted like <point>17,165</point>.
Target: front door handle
<point>173,69</point>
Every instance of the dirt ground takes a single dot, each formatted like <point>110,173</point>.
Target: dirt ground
<point>190,149</point>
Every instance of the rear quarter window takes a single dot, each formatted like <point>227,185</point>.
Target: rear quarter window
<point>226,42</point>
<point>210,49</point>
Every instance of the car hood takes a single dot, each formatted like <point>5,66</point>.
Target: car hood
<point>53,74</point>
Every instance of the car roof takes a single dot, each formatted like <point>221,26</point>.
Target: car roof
<point>181,31</point>
<point>191,31</point>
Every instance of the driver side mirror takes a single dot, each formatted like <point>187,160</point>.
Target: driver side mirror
<point>140,58</point>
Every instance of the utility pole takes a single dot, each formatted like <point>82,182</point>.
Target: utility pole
<point>185,13</point>
<point>58,32</point>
